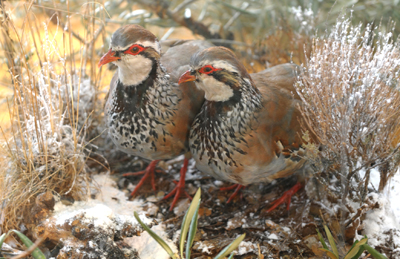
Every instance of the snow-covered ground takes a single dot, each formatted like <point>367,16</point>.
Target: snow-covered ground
<point>393,193</point>
<point>109,212</point>
<point>382,224</point>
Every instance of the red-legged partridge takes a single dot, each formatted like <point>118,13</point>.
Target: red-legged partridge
<point>248,130</point>
<point>147,113</point>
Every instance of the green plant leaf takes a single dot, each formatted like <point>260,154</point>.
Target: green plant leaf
<point>373,252</point>
<point>321,239</point>
<point>360,251</point>
<point>2,238</point>
<point>232,246</point>
<point>329,253</point>
<point>355,248</point>
<point>355,243</point>
<point>155,236</point>
<point>331,241</point>
<point>192,231</point>
<point>37,254</point>
<point>230,257</point>
<point>187,219</point>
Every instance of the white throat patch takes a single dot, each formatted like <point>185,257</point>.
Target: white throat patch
<point>214,90</point>
<point>132,70</point>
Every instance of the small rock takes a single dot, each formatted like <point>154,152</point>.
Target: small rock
<point>311,240</point>
<point>181,207</point>
<point>271,225</point>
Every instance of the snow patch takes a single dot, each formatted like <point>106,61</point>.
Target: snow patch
<point>273,236</point>
<point>110,211</point>
<point>381,225</point>
<point>246,247</point>
<point>393,192</point>
<point>204,248</point>
<point>147,247</point>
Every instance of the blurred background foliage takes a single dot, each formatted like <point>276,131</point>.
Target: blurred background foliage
<point>263,33</point>
<point>266,32</point>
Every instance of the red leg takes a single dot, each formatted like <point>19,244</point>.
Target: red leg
<point>237,188</point>
<point>286,197</point>
<point>180,186</point>
<point>148,172</point>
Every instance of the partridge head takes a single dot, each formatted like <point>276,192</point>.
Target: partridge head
<point>248,130</point>
<point>135,51</point>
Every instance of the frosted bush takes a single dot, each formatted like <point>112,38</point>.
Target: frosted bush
<point>350,91</point>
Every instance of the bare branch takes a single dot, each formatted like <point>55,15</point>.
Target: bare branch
<point>161,8</point>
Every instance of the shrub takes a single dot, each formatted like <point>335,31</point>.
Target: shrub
<point>350,91</point>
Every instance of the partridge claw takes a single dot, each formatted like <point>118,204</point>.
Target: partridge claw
<point>180,186</point>
<point>286,197</point>
<point>237,188</point>
<point>148,172</point>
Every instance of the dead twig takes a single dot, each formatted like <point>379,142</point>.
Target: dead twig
<point>30,250</point>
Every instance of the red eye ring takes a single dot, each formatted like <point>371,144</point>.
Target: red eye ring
<point>134,49</point>
<point>208,69</point>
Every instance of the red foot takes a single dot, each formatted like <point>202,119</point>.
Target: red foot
<point>148,172</point>
<point>180,186</point>
<point>286,197</point>
<point>237,188</point>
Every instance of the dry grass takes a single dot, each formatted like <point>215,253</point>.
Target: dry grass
<point>55,92</point>
<point>350,91</point>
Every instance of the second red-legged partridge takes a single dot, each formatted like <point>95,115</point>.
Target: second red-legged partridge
<point>147,113</point>
<point>248,130</point>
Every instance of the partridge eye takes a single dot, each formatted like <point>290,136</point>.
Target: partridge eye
<point>134,50</point>
<point>208,69</point>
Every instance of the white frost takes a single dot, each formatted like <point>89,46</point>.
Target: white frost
<point>109,211</point>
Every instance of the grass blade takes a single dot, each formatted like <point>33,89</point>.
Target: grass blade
<point>182,238</point>
<point>321,239</point>
<point>358,255</point>
<point>187,219</point>
<point>192,231</point>
<point>227,250</point>
<point>373,252</point>
<point>2,238</point>
<point>354,244</point>
<point>37,254</point>
<point>355,248</point>
<point>331,241</point>
<point>329,253</point>
<point>155,236</point>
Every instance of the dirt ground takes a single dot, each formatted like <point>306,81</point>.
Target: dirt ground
<point>279,234</point>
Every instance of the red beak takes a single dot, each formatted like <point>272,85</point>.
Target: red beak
<point>107,58</point>
<point>187,77</point>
